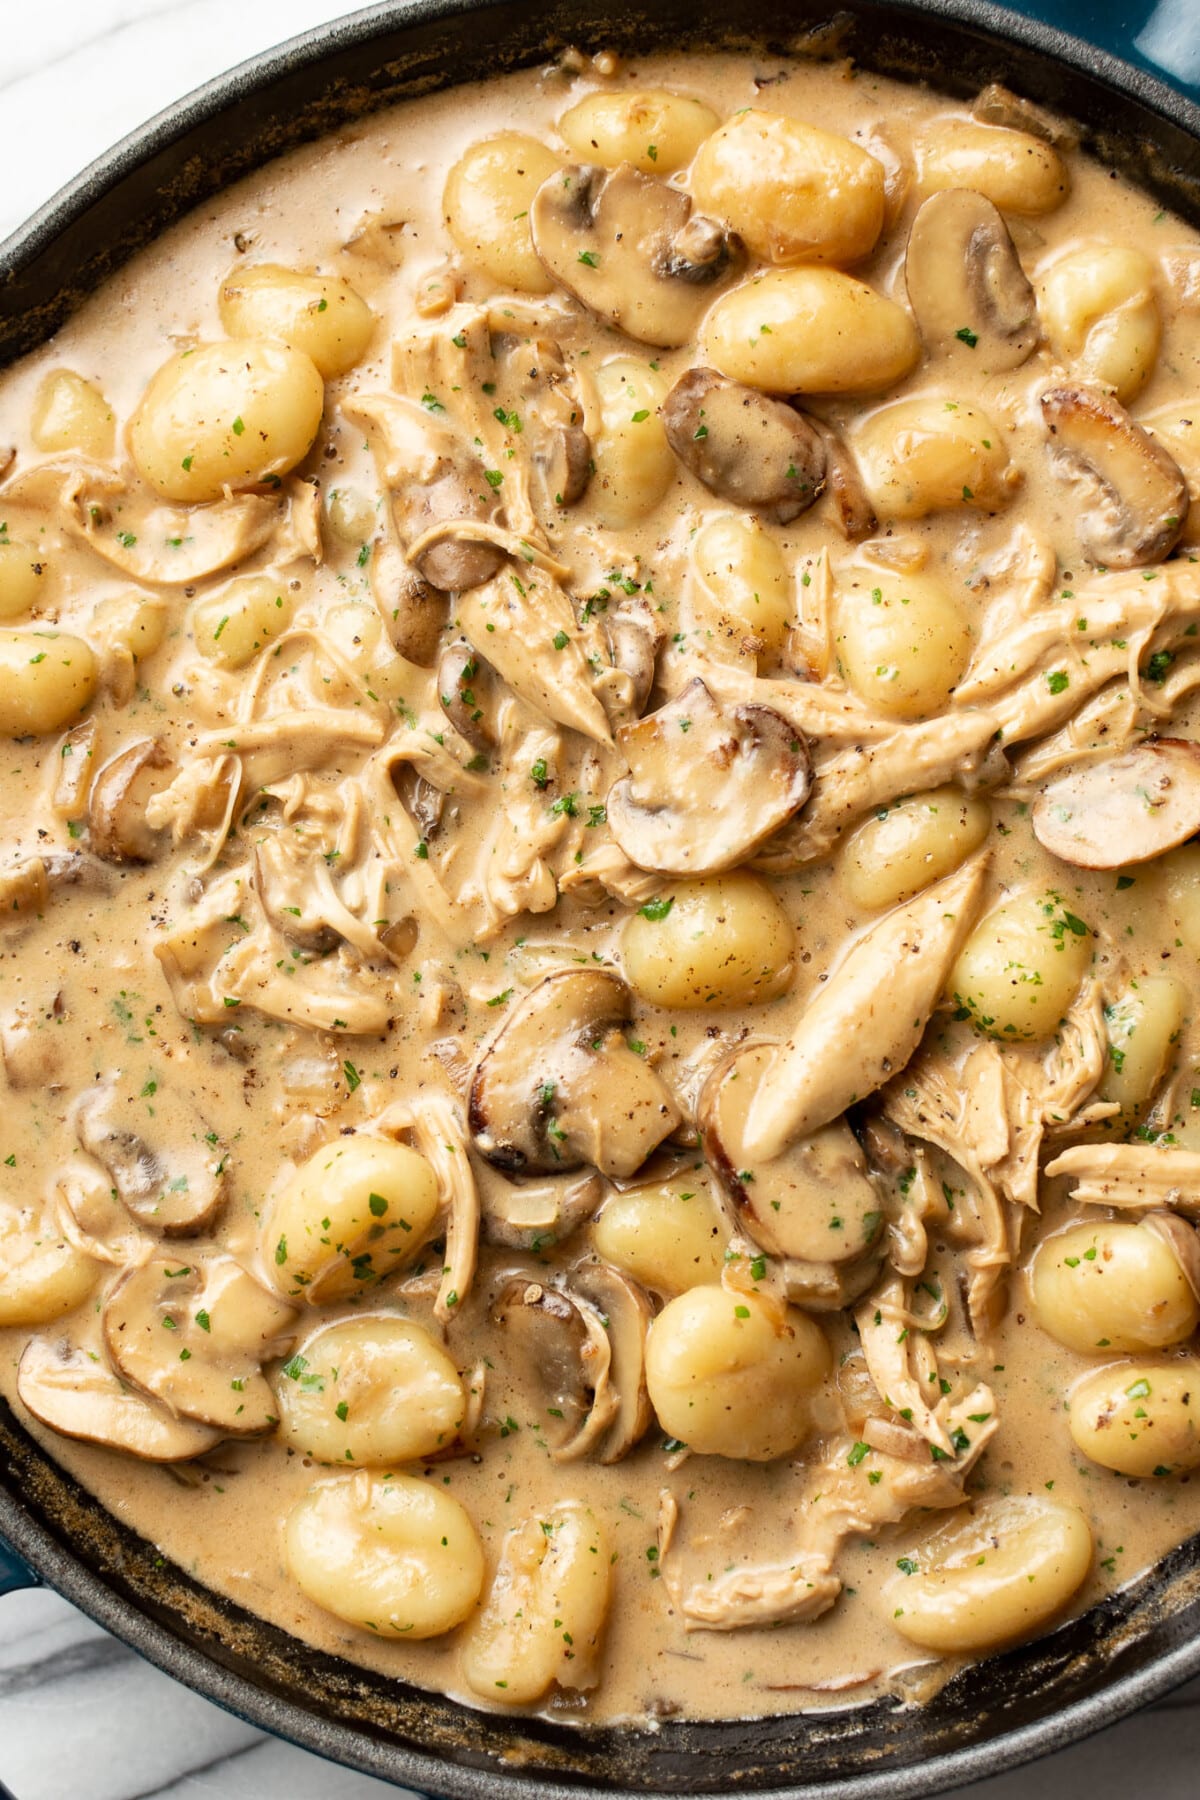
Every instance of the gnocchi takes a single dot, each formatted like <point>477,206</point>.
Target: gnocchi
<point>902,642</point>
<point>42,1276</point>
<point>669,1237</point>
<point>320,315</point>
<point>486,208</point>
<point>792,192</point>
<point>907,846</point>
<point>1144,1028</point>
<point>810,331</point>
<point>734,1374</point>
<point>1101,315</point>
<point>1020,969</point>
<point>544,1615</point>
<point>46,680</point>
<point>375,1391</point>
<point>22,578</point>
<point>633,464</point>
<point>721,940</point>
<point>1139,1418</point>
<point>357,1211</point>
<point>654,129</point>
<point>992,1578</point>
<point>1111,1286</point>
<point>930,455</point>
<point>70,413</point>
<point>390,1554</point>
<point>231,626</point>
<point>742,588</point>
<point>1016,171</point>
<point>227,415</point>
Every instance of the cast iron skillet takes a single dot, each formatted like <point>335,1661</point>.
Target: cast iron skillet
<point>1130,1649</point>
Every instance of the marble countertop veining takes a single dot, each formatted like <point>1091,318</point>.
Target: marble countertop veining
<point>82,1717</point>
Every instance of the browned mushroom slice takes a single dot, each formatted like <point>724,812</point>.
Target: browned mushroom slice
<point>966,284</point>
<point>413,612</point>
<point>463,680</point>
<point>194,1335</point>
<point>625,1313</point>
<point>743,445</point>
<point>559,1086</point>
<point>452,564</point>
<point>1137,493</point>
<point>562,462</point>
<point>998,105</point>
<point>1124,809</point>
<point>632,633</point>
<point>26,887</point>
<point>536,1215</point>
<point>814,1203</point>
<point>117,826</point>
<point>560,1351</point>
<point>630,248</point>
<point>176,1190</point>
<point>76,1394</point>
<point>706,786</point>
<point>844,485</point>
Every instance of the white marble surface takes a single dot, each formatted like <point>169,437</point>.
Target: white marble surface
<point>82,1718</point>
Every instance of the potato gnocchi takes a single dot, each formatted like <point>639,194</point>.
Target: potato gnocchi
<point>600,888</point>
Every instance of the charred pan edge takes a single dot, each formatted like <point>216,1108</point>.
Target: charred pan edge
<point>1132,1648</point>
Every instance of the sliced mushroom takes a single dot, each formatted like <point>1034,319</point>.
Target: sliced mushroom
<point>157,544</point>
<point>633,633</point>
<point>195,1335</point>
<point>426,803</point>
<point>559,1086</point>
<point>561,1351</point>
<point>27,887</point>
<point>744,446</point>
<point>118,829</point>
<point>176,1190</point>
<point>412,611</point>
<point>75,1393</point>
<point>582,1346</point>
<point>625,1313</point>
<point>630,248</point>
<point>1138,495</point>
<point>1124,809</point>
<point>966,284</point>
<point>998,105</point>
<point>562,462</point>
<point>706,785</point>
<point>75,767</point>
<point>815,1202</point>
<point>30,1044</point>
<point>845,487</point>
<point>463,679</point>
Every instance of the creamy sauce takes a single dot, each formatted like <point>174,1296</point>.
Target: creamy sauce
<point>83,973</point>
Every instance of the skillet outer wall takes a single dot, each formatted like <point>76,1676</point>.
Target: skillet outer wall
<point>1133,1647</point>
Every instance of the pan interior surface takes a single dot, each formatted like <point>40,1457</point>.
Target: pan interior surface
<point>1028,1701</point>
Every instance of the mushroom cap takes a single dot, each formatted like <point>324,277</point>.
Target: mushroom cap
<point>1140,500</point>
<point>966,284</point>
<point>706,786</point>
<point>744,446</point>
<point>562,1350</point>
<point>76,1394</point>
<point>559,1086</point>
<point>630,249</point>
<point>814,1203</point>
<point>626,1314</point>
<point>117,827</point>
<point>1123,809</point>
<point>176,1190</point>
<point>194,1336</point>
